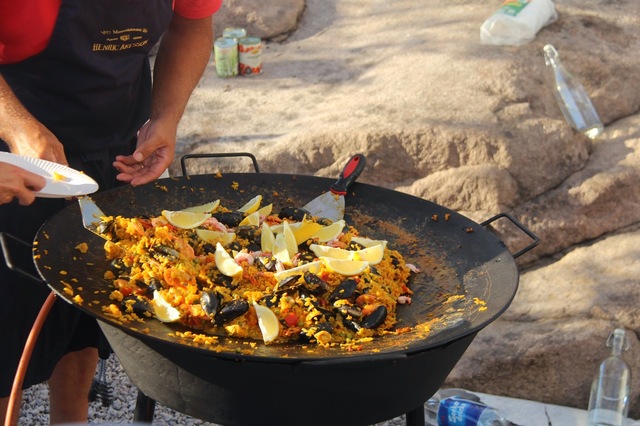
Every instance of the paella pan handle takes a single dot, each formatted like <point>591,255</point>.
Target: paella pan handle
<point>10,244</point>
<point>520,226</point>
<point>184,158</point>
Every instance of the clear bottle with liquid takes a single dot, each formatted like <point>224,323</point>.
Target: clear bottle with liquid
<point>609,400</point>
<point>572,98</point>
<point>457,410</point>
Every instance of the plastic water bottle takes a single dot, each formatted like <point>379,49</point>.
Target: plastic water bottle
<point>572,98</point>
<point>458,411</point>
<point>517,22</point>
<point>609,400</point>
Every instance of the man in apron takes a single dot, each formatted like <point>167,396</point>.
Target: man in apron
<point>76,89</point>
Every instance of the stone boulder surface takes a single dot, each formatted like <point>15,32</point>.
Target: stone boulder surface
<point>469,126</point>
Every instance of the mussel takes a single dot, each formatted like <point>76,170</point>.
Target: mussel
<point>344,290</point>
<point>288,283</point>
<point>135,304</point>
<point>118,266</point>
<point>208,248</point>
<point>351,324</point>
<point>306,256</point>
<point>315,284</point>
<point>268,262</point>
<point>376,318</point>
<point>210,302</point>
<point>163,251</point>
<point>349,311</point>
<point>248,232</point>
<point>324,221</point>
<point>294,213</point>
<point>307,334</point>
<point>224,281</point>
<point>231,311</point>
<point>269,300</point>
<point>107,227</point>
<point>230,219</point>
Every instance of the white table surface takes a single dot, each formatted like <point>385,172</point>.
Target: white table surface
<point>532,413</point>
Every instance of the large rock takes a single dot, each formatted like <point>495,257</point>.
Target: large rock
<point>273,20</point>
<point>440,116</point>
<point>602,197</point>
<point>475,128</point>
<point>548,345</point>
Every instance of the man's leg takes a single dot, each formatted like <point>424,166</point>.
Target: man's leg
<point>69,386</point>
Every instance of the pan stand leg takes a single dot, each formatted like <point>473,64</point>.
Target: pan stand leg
<point>145,407</point>
<point>415,417</point>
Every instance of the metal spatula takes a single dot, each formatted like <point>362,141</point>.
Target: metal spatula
<point>330,205</point>
<point>91,215</point>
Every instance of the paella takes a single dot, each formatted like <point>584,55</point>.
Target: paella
<point>254,273</point>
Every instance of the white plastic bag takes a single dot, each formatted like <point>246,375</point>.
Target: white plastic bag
<point>517,22</point>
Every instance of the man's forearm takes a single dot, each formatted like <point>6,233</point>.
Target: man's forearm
<point>14,118</point>
<point>183,55</point>
<point>22,132</point>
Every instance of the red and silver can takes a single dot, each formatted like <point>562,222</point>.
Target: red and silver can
<point>250,55</point>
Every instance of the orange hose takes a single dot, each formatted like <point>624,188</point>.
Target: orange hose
<point>12,414</point>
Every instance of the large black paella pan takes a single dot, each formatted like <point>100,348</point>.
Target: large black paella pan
<point>468,279</point>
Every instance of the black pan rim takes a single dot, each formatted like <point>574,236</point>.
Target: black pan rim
<point>501,257</point>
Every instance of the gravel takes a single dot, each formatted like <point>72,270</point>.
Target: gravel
<point>35,405</point>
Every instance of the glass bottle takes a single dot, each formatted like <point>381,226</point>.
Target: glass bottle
<point>572,98</point>
<point>457,411</point>
<point>609,400</point>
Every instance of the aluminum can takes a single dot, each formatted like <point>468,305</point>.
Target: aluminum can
<point>225,52</point>
<point>250,55</point>
<point>234,33</point>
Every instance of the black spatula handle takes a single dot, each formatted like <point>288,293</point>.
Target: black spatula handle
<point>349,174</point>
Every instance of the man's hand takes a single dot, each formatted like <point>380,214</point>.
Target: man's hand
<point>16,182</point>
<point>154,154</point>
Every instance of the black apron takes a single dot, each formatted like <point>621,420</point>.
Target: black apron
<point>91,87</point>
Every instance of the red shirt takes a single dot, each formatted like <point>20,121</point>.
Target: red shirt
<point>26,25</point>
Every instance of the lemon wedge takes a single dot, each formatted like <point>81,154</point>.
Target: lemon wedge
<point>368,242</point>
<point>373,254</point>
<point>268,323</point>
<point>265,211</point>
<point>313,267</point>
<point>280,250</point>
<point>328,233</point>
<point>252,205</point>
<point>210,236</point>
<point>203,208</point>
<point>225,262</point>
<point>252,219</point>
<point>289,240</point>
<point>267,238</point>
<point>333,252</point>
<point>304,230</point>
<point>163,310</point>
<point>346,267</point>
<point>185,220</point>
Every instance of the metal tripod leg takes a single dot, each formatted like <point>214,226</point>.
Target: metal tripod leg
<point>145,408</point>
<point>415,417</point>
